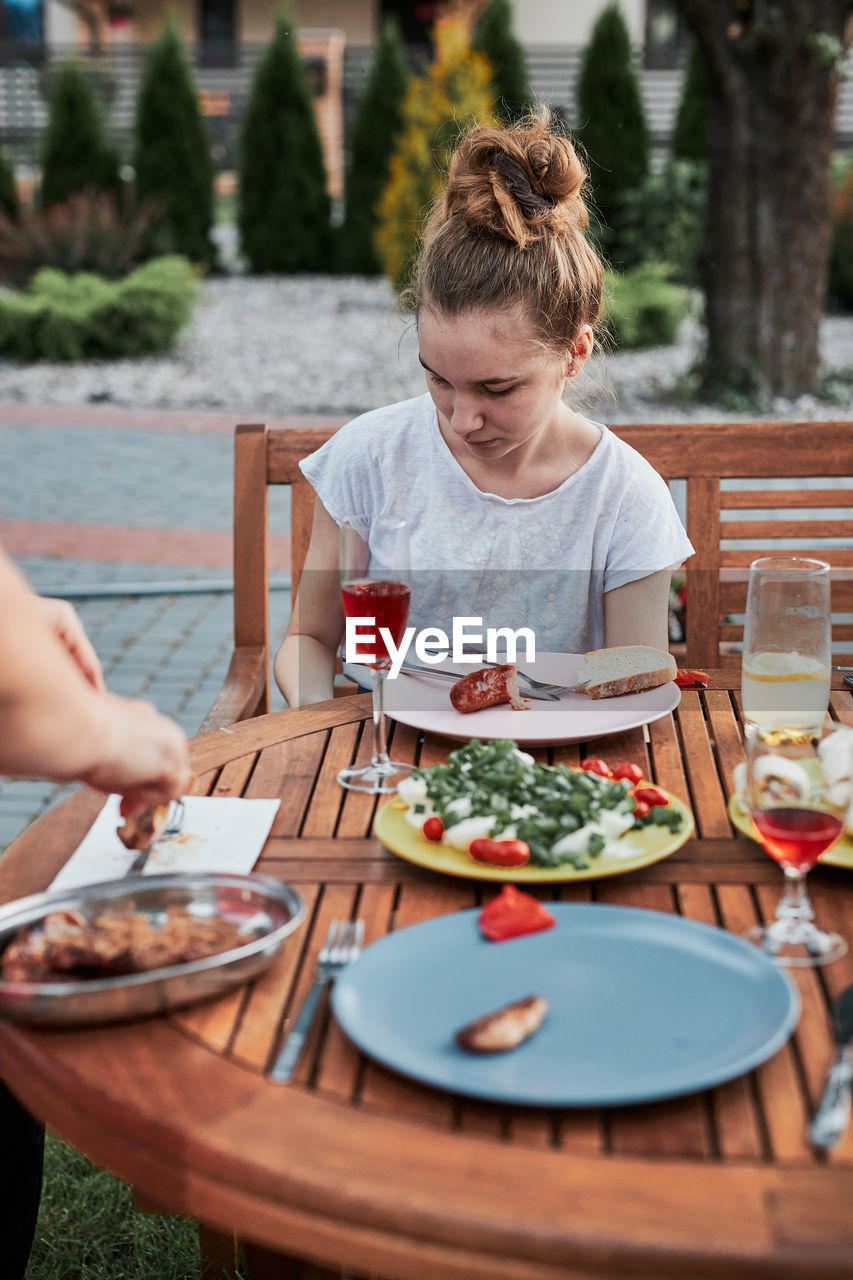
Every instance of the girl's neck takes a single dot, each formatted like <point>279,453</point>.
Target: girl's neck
<point>535,467</point>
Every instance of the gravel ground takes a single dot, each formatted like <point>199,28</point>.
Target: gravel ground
<point>321,344</point>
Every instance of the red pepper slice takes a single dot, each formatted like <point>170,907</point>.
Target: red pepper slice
<point>498,853</point>
<point>642,809</point>
<point>513,913</point>
<point>686,679</point>
<point>651,796</point>
<point>432,828</point>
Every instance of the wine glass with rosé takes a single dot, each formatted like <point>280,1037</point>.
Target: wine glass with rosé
<point>796,816</point>
<point>374,563</point>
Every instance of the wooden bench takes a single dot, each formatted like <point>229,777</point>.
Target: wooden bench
<point>730,522</point>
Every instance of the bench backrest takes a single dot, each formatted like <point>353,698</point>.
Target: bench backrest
<point>730,519</point>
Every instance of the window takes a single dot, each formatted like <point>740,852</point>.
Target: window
<point>217,33</point>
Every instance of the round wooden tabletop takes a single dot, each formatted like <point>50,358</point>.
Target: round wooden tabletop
<point>352,1165</point>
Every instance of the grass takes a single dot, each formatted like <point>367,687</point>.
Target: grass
<point>90,1229</point>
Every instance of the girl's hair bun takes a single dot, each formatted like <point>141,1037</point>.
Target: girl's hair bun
<point>523,182</point>
<point>509,231</point>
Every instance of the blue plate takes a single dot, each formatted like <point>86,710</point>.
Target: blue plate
<point>643,1005</point>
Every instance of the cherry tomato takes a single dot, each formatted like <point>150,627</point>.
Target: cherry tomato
<point>499,853</point>
<point>651,796</point>
<point>433,828</point>
<point>642,809</point>
<point>632,772</point>
<point>593,764</point>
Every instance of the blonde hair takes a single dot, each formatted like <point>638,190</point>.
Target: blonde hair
<point>509,230</point>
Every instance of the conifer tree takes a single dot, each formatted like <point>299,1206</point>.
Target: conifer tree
<point>9,204</point>
<point>454,94</point>
<point>375,132</point>
<point>174,167</point>
<point>283,201</point>
<point>689,140</point>
<point>76,153</point>
<point>612,128</point>
<point>495,39</point>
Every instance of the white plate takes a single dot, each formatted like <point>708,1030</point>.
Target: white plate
<point>425,704</point>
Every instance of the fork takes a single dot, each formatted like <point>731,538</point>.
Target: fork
<point>540,686</point>
<point>174,822</point>
<point>536,688</point>
<point>342,946</point>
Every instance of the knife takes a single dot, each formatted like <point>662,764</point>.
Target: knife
<point>412,669</point>
<point>833,1113</point>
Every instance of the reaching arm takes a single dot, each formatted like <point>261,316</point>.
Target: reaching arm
<point>638,613</point>
<point>305,663</point>
<point>58,722</point>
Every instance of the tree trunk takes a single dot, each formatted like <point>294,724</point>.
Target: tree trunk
<point>772,70</point>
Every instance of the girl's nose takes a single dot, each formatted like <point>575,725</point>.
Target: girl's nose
<point>465,419</point>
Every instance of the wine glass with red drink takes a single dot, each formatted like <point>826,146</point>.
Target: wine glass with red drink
<point>795,820</point>
<point>374,560</point>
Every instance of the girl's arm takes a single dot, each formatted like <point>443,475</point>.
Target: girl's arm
<point>57,721</point>
<point>638,613</point>
<point>305,663</point>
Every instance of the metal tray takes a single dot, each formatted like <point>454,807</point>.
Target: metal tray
<point>266,910</point>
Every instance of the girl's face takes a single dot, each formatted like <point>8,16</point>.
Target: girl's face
<point>494,384</point>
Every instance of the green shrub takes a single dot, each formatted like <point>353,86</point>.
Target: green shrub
<point>642,308</point>
<point>613,130</point>
<point>284,205</point>
<point>455,93</point>
<point>495,39</point>
<point>85,233</point>
<point>664,220</point>
<point>84,317</point>
<point>76,154</point>
<point>174,168</point>
<point>689,134</point>
<point>375,131</point>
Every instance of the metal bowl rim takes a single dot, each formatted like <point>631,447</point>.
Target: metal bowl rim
<point>36,905</point>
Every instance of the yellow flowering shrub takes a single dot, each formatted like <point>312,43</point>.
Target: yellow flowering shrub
<point>455,93</point>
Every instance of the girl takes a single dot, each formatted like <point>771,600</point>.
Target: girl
<point>520,509</point>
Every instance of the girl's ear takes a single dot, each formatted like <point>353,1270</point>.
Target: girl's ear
<point>581,350</point>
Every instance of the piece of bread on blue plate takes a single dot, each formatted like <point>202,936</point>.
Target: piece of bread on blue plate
<point>627,668</point>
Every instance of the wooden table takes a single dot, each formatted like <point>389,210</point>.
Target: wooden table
<point>352,1165</point>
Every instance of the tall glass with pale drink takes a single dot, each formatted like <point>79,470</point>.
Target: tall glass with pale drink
<point>787,646</point>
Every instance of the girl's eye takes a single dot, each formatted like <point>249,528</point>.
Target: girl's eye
<point>436,381</point>
<point>496,395</point>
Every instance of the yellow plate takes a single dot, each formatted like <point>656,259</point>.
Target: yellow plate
<point>650,843</point>
<point>840,855</point>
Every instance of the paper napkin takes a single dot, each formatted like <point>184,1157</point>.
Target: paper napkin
<point>219,833</point>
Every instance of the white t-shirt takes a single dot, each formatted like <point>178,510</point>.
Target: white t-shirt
<point>542,562</point>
